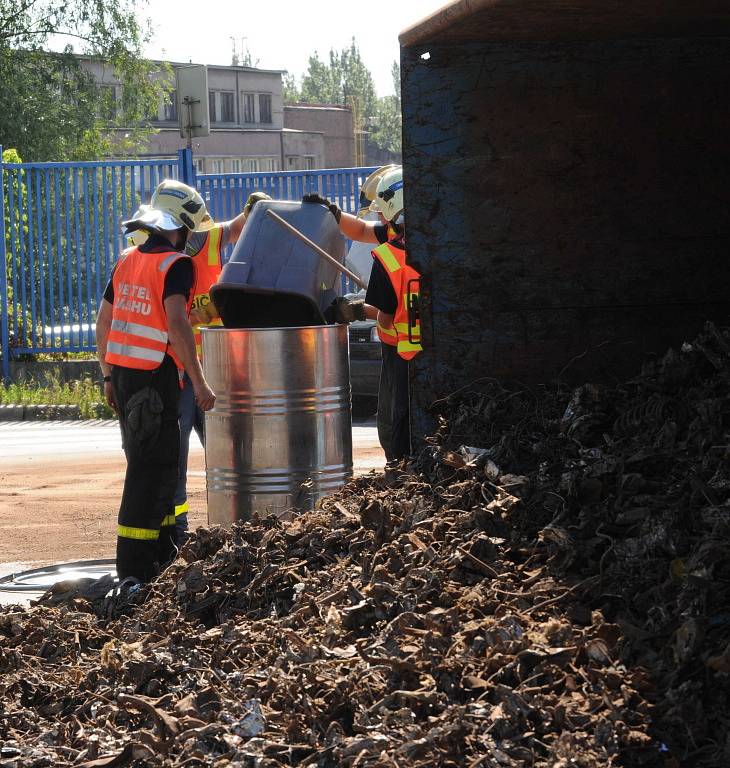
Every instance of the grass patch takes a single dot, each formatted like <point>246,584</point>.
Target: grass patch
<point>85,393</point>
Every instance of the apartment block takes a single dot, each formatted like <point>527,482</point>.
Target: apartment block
<point>251,129</point>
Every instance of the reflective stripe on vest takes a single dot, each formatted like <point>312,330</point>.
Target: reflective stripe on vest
<point>140,354</point>
<point>387,335</point>
<point>214,247</point>
<point>168,520</point>
<point>138,329</point>
<point>181,509</point>
<point>207,271</point>
<point>138,335</point>
<point>401,276</point>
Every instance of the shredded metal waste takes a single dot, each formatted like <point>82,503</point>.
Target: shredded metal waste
<point>546,585</point>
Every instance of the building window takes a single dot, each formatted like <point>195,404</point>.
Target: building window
<point>292,162</point>
<point>264,107</point>
<point>170,113</point>
<point>228,110</point>
<point>260,164</point>
<point>199,164</point>
<point>249,107</point>
<point>308,164</point>
<point>222,106</point>
<point>217,166</point>
<point>236,165</point>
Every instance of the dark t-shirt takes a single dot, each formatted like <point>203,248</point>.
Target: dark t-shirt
<point>380,293</point>
<point>381,232</point>
<point>178,280</point>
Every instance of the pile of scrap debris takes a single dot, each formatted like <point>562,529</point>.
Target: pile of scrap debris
<point>547,585</point>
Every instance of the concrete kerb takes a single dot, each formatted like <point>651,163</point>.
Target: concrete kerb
<point>46,373</point>
<point>40,412</point>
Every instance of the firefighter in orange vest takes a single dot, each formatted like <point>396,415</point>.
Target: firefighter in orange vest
<point>145,343</point>
<point>205,246</point>
<point>391,300</point>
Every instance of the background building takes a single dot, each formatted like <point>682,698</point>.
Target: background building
<point>335,124</point>
<point>251,130</point>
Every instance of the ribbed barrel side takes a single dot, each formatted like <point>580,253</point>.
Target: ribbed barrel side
<point>280,435</point>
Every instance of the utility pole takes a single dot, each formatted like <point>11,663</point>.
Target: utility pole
<point>188,103</point>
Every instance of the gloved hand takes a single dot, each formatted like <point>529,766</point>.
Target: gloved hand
<point>314,197</point>
<point>347,310</point>
<point>254,198</point>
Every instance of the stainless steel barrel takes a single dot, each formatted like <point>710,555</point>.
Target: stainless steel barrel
<point>280,435</point>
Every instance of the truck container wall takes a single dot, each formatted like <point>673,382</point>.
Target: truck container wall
<point>568,202</point>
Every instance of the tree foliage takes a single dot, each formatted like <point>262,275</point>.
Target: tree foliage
<point>387,125</point>
<point>345,79</point>
<point>50,107</point>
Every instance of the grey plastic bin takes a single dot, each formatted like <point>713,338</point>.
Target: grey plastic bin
<point>272,278</point>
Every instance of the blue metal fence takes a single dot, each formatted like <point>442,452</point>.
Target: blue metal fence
<point>225,194</point>
<point>60,235</point>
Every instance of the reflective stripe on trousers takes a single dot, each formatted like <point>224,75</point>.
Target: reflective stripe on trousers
<point>141,534</point>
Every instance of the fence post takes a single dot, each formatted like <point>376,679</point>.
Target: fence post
<point>186,169</point>
<point>4,314</point>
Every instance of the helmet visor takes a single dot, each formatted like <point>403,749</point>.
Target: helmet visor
<point>154,221</point>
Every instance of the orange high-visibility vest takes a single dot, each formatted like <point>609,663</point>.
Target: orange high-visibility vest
<point>138,337</point>
<point>388,335</point>
<point>208,268</point>
<point>404,279</point>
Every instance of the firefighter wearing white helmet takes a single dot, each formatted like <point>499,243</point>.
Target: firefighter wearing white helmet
<point>145,343</point>
<point>370,188</point>
<point>389,198</point>
<point>391,300</point>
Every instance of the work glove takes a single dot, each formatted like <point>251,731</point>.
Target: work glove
<point>254,198</point>
<point>345,310</point>
<point>314,197</point>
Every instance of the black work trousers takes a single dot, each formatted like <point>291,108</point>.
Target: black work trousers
<point>394,429</point>
<point>146,522</point>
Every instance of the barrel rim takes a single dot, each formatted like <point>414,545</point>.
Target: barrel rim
<point>221,329</point>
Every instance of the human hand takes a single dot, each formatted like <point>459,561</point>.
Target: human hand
<point>109,395</point>
<point>253,198</point>
<point>204,395</point>
<point>334,209</point>
<point>349,310</point>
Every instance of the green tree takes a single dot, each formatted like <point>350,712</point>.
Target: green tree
<point>292,94</point>
<point>50,108</point>
<point>387,125</point>
<point>343,80</point>
<point>346,80</point>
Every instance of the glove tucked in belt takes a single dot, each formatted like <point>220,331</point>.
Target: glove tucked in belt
<point>143,419</point>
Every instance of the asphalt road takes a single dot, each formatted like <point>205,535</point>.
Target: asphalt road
<point>44,440</point>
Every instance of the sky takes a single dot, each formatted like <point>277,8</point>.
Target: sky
<point>282,34</point>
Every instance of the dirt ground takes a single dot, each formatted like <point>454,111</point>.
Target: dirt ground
<point>67,510</point>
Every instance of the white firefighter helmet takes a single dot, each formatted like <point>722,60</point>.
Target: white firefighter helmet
<point>183,203</point>
<point>389,195</point>
<point>369,189</point>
